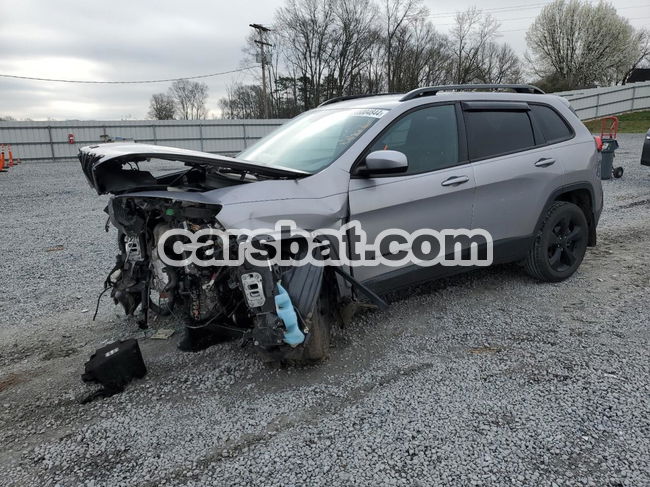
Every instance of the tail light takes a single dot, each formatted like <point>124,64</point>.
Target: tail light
<point>599,142</point>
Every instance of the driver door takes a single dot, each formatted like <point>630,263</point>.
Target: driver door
<point>435,192</point>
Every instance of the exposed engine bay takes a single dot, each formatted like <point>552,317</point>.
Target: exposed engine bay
<point>270,307</point>
<point>284,312</point>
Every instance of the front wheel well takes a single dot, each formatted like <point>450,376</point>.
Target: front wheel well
<point>582,198</point>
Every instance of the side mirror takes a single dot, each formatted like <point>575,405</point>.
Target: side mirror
<point>383,162</point>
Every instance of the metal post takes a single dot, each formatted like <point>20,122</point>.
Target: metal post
<point>243,126</point>
<point>49,133</point>
<point>266,107</point>
<point>155,137</point>
<point>261,30</point>
<point>201,135</point>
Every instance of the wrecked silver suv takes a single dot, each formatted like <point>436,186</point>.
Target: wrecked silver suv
<point>519,165</point>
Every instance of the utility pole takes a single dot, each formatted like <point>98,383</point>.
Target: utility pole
<point>260,42</point>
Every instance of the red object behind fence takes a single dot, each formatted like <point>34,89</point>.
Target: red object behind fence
<point>609,126</point>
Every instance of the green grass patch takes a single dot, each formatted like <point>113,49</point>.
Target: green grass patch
<point>630,123</point>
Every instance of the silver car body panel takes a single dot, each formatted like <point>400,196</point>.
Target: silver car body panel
<point>410,203</point>
<point>505,195</point>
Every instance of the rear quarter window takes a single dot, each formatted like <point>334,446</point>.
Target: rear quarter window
<point>553,127</point>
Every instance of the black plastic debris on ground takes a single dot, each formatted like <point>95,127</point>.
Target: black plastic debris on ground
<point>113,367</point>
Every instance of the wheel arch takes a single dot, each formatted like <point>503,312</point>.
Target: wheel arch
<point>581,195</point>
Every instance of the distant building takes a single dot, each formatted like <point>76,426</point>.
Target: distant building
<point>638,74</point>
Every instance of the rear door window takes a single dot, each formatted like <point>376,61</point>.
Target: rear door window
<point>492,133</point>
<point>553,127</point>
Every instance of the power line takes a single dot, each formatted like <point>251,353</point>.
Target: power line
<point>13,76</point>
<point>517,8</point>
<point>498,20</point>
<point>496,9</point>
<point>533,17</point>
<point>526,28</point>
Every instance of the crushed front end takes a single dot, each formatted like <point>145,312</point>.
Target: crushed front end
<point>284,312</point>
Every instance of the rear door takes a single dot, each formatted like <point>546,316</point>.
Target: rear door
<point>436,192</point>
<point>515,170</point>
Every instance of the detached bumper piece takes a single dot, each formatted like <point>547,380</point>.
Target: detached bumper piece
<point>114,366</point>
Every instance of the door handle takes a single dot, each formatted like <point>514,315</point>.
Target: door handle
<point>545,162</point>
<point>455,181</point>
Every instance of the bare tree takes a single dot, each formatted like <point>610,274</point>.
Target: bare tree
<point>190,98</point>
<point>469,39</point>
<point>242,101</point>
<point>398,13</point>
<point>419,55</point>
<point>326,48</point>
<point>355,32</point>
<point>307,38</point>
<point>373,77</point>
<point>439,61</point>
<point>582,44</point>
<point>640,54</point>
<point>161,107</point>
<point>499,64</point>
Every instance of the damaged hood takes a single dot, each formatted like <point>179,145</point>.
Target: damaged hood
<point>102,165</point>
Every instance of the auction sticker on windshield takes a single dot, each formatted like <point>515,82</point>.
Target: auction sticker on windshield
<point>370,112</point>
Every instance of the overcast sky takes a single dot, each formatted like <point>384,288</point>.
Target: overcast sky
<point>134,40</point>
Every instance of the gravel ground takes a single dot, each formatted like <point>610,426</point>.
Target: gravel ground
<point>485,379</point>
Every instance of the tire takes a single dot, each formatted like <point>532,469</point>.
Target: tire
<point>318,346</point>
<point>560,244</point>
<point>618,172</point>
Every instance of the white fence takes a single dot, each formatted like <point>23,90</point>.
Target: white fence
<point>612,100</point>
<point>50,141</point>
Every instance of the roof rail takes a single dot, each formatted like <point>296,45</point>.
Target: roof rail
<point>351,97</point>
<point>432,90</point>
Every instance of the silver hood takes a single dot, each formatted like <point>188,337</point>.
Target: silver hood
<point>102,165</point>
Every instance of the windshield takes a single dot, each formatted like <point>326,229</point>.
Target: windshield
<point>314,140</point>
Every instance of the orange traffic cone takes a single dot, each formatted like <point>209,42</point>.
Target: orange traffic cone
<point>11,157</point>
<point>2,160</point>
